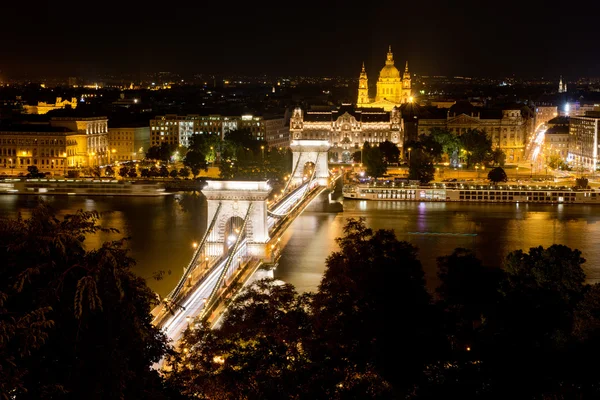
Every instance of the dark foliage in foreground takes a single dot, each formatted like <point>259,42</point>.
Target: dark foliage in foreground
<point>74,323</point>
<point>530,330</point>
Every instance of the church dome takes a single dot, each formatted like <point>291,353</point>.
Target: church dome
<point>389,71</point>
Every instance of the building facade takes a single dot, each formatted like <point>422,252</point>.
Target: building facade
<point>128,143</point>
<point>508,127</point>
<point>393,88</point>
<point>93,151</point>
<point>277,131</point>
<point>543,114</point>
<point>583,135</point>
<point>347,128</point>
<point>49,149</point>
<point>42,107</point>
<point>176,129</point>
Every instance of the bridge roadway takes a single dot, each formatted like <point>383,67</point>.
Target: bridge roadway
<point>192,300</point>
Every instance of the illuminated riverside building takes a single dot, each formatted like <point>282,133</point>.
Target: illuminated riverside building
<point>583,144</point>
<point>54,147</point>
<point>347,128</point>
<point>128,143</point>
<point>393,89</point>
<point>46,147</point>
<point>93,150</point>
<point>508,127</point>
<point>177,129</point>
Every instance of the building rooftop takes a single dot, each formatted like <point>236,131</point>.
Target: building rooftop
<point>561,120</point>
<point>41,128</point>
<point>558,130</point>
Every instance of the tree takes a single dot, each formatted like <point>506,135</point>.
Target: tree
<point>206,144</point>
<point>195,161</point>
<point>173,173</point>
<point>132,173</point>
<point>163,172</point>
<point>389,151</point>
<point>497,175</point>
<point>449,141</point>
<point>75,322</point>
<point>498,157</point>
<point>372,159</point>
<point>184,172</point>
<point>257,352</point>
<point>123,171</point>
<point>357,157</point>
<point>372,277</point>
<point>34,172</point>
<point>430,145</point>
<point>153,153</point>
<point>468,294</point>
<point>421,166</point>
<point>109,171</point>
<point>164,152</point>
<point>554,161</point>
<point>527,342</point>
<point>476,145</point>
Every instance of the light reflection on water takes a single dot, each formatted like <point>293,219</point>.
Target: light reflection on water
<point>162,230</point>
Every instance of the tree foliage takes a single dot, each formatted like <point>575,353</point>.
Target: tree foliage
<point>389,152</point>
<point>421,166</point>
<point>373,161</point>
<point>497,175</point>
<point>74,322</point>
<point>476,145</point>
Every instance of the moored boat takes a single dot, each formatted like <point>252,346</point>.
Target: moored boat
<point>471,193</point>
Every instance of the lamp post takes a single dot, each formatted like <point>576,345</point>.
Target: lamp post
<point>517,174</point>
<point>409,150</point>
<point>110,157</point>
<point>531,174</point>
<point>477,169</point>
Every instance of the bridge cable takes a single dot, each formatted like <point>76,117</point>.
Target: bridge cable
<point>292,175</point>
<point>192,265</point>
<point>233,251</point>
<point>303,193</point>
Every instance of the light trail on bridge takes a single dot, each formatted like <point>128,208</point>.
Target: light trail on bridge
<point>178,322</point>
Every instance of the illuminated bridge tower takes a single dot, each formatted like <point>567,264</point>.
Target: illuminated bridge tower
<point>310,151</point>
<point>237,208</point>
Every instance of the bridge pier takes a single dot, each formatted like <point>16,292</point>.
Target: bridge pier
<point>307,151</point>
<point>236,199</point>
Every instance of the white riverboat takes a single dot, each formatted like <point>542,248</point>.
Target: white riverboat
<point>81,187</point>
<point>393,191</point>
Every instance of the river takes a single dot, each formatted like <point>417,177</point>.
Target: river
<point>162,230</point>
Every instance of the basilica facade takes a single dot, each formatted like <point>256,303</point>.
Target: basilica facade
<point>393,89</point>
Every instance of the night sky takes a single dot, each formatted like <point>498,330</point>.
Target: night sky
<point>327,38</point>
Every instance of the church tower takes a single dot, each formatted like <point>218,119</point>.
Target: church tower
<point>406,93</point>
<point>562,87</point>
<point>389,84</point>
<point>363,88</point>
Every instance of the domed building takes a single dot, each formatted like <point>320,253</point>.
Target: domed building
<point>393,88</point>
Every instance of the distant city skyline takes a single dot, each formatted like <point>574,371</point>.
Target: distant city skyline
<point>312,38</point>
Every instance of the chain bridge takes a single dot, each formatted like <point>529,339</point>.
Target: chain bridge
<point>242,235</point>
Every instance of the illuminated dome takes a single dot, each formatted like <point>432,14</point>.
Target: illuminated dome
<point>389,71</point>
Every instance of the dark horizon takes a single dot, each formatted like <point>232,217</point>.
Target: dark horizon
<point>310,39</point>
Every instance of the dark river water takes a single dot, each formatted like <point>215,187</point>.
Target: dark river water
<point>162,230</point>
